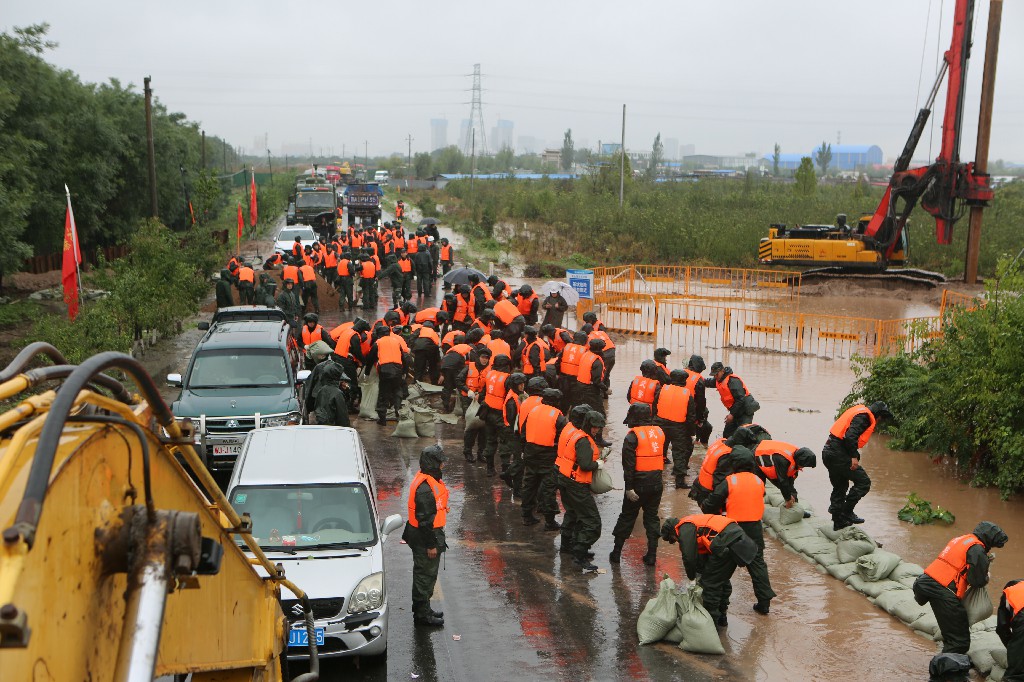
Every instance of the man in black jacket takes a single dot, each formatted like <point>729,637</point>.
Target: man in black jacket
<point>841,456</point>
<point>424,533</point>
<point>963,564</point>
<point>1010,628</point>
<point>643,461</point>
<point>225,298</point>
<point>735,396</point>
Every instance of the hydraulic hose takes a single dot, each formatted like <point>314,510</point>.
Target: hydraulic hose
<point>25,357</point>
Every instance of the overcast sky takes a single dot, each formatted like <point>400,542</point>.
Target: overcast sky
<point>728,76</point>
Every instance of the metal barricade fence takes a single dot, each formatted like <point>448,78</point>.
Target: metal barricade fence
<point>692,281</point>
<point>955,301</point>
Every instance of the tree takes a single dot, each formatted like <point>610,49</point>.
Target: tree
<point>451,160</point>
<point>568,154</point>
<point>657,156</point>
<point>504,160</point>
<point>422,162</point>
<point>806,182</point>
<point>823,157</point>
<point>776,158</point>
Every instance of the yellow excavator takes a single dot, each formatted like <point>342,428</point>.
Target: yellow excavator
<point>118,555</point>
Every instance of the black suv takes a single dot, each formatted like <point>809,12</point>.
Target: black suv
<point>240,378</point>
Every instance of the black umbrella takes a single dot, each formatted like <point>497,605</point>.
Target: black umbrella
<point>461,276</point>
<point>430,221</point>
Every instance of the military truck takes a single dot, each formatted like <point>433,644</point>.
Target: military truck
<point>316,205</point>
<point>363,202</point>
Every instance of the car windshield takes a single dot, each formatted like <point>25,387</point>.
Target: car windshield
<point>290,235</point>
<point>239,368</point>
<point>314,200</point>
<point>307,516</point>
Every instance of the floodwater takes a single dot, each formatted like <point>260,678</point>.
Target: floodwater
<point>516,608</point>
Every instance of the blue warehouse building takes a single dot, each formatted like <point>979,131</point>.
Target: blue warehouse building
<point>844,157</point>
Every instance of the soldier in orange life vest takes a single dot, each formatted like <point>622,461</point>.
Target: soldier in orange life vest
<point>962,564</point>
<point>643,460</point>
<point>508,433</point>
<point>493,403</point>
<point>589,388</point>
<point>447,256</point>
<point>1010,628</point>
<point>675,412</point>
<point>841,456</point>
<point>541,429</point>
<point>424,533</point>
<point>661,364</point>
<point>511,453</point>
<point>310,333</point>
<point>528,303</point>
<point>642,388</point>
<point>426,352</point>
<point>741,497</point>
<point>718,461</point>
<point>308,287</point>
<point>578,458</point>
<point>712,547</point>
<point>246,285</point>
<point>568,364</point>
<point>470,382</point>
<point>390,355</point>
<point>735,396</point>
<point>780,463</point>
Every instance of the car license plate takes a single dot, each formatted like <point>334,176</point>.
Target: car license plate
<point>227,449</point>
<point>300,637</point>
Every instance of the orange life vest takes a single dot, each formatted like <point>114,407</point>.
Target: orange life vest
<point>708,527</point>
<point>344,268</point>
<point>691,380</point>
<point>514,397</point>
<point>427,315</point>
<point>951,564</point>
<point>745,501</point>
<point>1015,598</point>
<point>297,249</point>
<point>331,260</point>
<point>309,337</point>
<point>367,269</point>
<point>542,426</point>
<point>764,452</point>
<point>650,448</point>
<point>412,246</point>
<point>608,343</point>
<point>440,500</point>
<point>641,390</point>
<point>487,292</point>
<point>571,356</point>
<point>475,378</point>
<point>399,211</point>
<point>343,340</point>
<point>246,274</point>
<point>427,333</point>
<point>565,460</point>
<point>527,407</point>
<point>663,367</point>
<point>557,343</point>
<point>290,272</point>
<point>843,423</point>
<point>495,396</point>
<point>446,252</point>
<point>506,311</point>
<point>707,469</point>
<point>673,403</point>
<point>405,265</point>
<point>461,309</point>
<point>585,374</point>
<point>390,349</point>
<point>462,349</point>
<point>308,275</point>
<point>499,347</point>
<point>525,304</point>
<point>357,240</point>
<point>723,390</point>
<point>529,369</point>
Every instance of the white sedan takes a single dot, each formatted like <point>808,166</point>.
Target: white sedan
<point>286,238</point>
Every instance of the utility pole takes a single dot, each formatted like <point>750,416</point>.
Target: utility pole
<point>409,140</point>
<point>622,159</point>
<point>150,153</point>
<point>225,150</point>
<point>271,167</point>
<point>472,163</point>
<point>203,156</point>
<point>988,87</point>
<point>366,157</point>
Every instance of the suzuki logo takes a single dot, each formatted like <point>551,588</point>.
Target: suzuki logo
<point>297,609</point>
<point>232,424</point>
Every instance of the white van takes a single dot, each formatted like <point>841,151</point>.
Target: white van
<point>313,503</point>
<point>382,176</point>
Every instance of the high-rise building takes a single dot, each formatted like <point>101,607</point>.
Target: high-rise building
<point>671,150</point>
<point>438,133</point>
<point>528,144</point>
<point>502,135</point>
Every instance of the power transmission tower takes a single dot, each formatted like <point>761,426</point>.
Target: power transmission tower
<point>476,116</point>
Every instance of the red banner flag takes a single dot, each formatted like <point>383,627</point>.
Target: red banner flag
<point>253,208</point>
<point>72,259</point>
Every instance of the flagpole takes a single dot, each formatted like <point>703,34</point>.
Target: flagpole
<point>74,238</point>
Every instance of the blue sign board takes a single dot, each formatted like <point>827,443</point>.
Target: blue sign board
<point>582,281</point>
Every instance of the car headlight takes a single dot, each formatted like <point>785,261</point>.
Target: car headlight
<point>281,419</point>
<point>368,595</point>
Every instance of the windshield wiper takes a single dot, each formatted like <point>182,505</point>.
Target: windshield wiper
<point>339,545</point>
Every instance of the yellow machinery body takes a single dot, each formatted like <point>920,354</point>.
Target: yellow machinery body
<point>831,248</point>
<point>226,625</point>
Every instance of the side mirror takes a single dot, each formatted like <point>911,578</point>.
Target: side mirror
<point>302,375</point>
<point>174,380</point>
<point>203,325</point>
<point>390,525</point>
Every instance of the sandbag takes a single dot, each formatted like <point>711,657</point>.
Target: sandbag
<point>700,636</point>
<point>978,604</point>
<point>771,514</point>
<point>601,482</point>
<point>428,388</point>
<point>826,531</point>
<point>927,624</point>
<point>842,570</point>
<point>794,514</point>
<point>424,420</point>
<point>457,410</point>
<point>773,496</point>
<point>877,565</point>
<point>406,428</point>
<point>797,530</point>
<point>814,544</point>
<point>987,624</point>
<point>997,675</point>
<point>659,615</point>
<point>827,558</point>
<point>853,543</point>
<point>901,603</point>
<point>318,350</point>
<point>473,422</point>
<point>873,589</point>
<point>982,651</point>
<point>906,569</point>
<point>371,389</point>
<point>999,657</point>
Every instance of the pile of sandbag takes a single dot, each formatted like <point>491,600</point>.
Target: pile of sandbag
<point>887,581</point>
<point>679,617</point>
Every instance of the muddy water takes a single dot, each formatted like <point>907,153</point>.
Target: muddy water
<point>506,582</point>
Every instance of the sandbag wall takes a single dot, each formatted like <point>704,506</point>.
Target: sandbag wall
<point>883,577</point>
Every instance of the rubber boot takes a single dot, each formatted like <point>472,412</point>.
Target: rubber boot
<point>681,483</point>
<point>616,554</point>
<point>529,519</point>
<point>551,524</point>
<point>652,553</point>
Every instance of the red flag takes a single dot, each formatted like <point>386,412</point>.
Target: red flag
<point>72,259</point>
<point>241,221</point>
<point>253,208</point>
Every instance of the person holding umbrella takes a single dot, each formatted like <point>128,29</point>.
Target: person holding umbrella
<point>554,308</point>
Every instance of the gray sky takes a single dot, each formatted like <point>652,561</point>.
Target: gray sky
<point>728,76</point>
